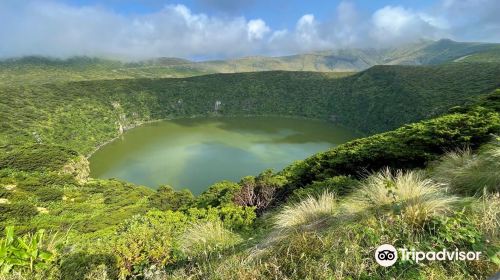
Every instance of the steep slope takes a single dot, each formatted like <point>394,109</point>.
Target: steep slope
<point>83,115</point>
<point>116,230</point>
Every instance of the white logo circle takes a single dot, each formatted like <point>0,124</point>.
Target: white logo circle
<point>386,255</point>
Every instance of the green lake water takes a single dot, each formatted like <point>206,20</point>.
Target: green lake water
<point>195,153</point>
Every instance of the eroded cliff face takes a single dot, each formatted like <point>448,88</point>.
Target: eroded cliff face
<point>124,122</point>
<point>78,167</point>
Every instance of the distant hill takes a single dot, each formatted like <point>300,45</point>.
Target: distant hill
<point>354,60</point>
<point>34,70</point>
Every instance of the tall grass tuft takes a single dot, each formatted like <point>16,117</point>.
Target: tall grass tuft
<point>308,212</point>
<point>468,173</point>
<point>409,194</point>
<point>488,215</point>
<point>208,238</point>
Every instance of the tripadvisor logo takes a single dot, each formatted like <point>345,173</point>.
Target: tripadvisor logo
<point>387,255</point>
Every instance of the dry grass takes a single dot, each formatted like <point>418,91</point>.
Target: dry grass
<point>205,239</point>
<point>488,212</point>
<point>308,212</point>
<point>468,173</point>
<point>410,194</point>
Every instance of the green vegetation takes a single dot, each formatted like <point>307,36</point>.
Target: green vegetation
<point>29,253</point>
<point>38,157</point>
<point>469,173</point>
<point>309,212</point>
<point>319,218</point>
<point>414,197</point>
<point>40,70</point>
<point>84,115</point>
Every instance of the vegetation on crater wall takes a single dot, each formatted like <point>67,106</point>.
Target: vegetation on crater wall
<point>273,225</point>
<point>84,115</point>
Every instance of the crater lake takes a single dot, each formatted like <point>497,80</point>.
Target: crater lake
<point>195,153</point>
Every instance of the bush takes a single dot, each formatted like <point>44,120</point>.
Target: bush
<point>410,195</point>
<point>259,191</point>
<point>38,158</point>
<point>411,146</point>
<point>47,194</point>
<point>20,211</point>
<point>234,217</point>
<point>4,193</point>
<point>237,217</point>
<point>339,185</point>
<point>166,198</point>
<point>148,240</point>
<point>220,193</point>
<point>78,266</point>
<point>309,212</point>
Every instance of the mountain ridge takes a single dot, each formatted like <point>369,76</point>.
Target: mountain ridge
<point>14,70</point>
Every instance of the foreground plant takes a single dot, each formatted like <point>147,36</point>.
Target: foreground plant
<point>469,173</point>
<point>408,194</point>
<point>309,211</point>
<point>26,254</point>
<point>207,238</point>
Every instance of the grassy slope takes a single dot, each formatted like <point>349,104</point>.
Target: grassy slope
<point>329,244</point>
<point>36,70</point>
<point>82,115</point>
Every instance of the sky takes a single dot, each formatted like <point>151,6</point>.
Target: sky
<point>219,29</point>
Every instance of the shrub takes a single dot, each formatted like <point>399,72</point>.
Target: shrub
<point>409,194</point>
<point>38,157</point>
<point>81,265</point>
<point>237,217</point>
<point>4,192</point>
<point>20,211</point>
<point>309,212</point>
<point>166,198</point>
<point>340,185</point>
<point>468,173</point>
<point>220,193</point>
<point>411,146</point>
<point>460,231</point>
<point>259,191</point>
<point>151,239</point>
<point>47,194</point>
<point>208,238</point>
<point>234,217</point>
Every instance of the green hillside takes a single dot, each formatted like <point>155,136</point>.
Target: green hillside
<point>83,115</point>
<point>426,176</point>
<point>437,52</point>
<point>320,217</point>
<point>37,70</point>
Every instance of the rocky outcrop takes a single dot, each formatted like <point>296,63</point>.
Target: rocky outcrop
<point>78,167</point>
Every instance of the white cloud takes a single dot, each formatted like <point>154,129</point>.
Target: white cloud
<point>257,28</point>
<point>393,25</point>
<point>54,29</point>
<point>45,27</point>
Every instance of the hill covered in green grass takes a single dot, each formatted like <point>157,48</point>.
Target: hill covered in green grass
<point>424,177</point>
<point>84,115</point>
<point>318,218</point>
<point>38,70</point>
